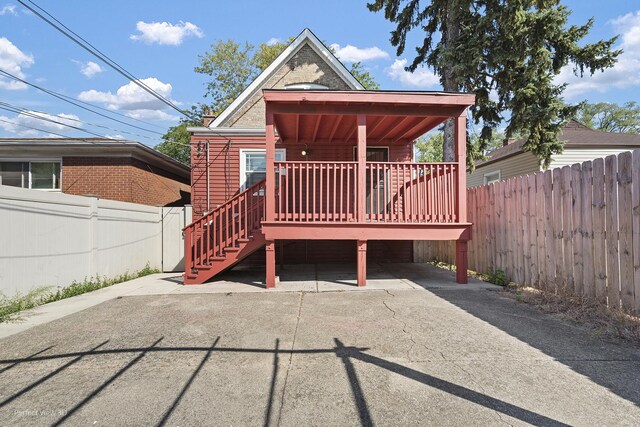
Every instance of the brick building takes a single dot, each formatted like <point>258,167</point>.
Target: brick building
<point>127,171</point>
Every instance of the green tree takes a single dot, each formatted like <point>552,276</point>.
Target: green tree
<point>509,49</point>
<point>610,117</point>
<point>176,142</point>
<point>363,76</point>
<point>231,67</point>
<point>429,148</point>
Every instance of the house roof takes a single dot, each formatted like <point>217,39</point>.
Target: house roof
<point>575,135</point>
<point>329,116</point>
<point>89,147</point>
<point>306,37</point>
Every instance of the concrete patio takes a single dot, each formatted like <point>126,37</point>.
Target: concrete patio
<point>413,348</point>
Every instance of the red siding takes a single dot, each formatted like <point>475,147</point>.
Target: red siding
<point>224,175</point>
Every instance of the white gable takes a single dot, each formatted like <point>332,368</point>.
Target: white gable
<point>305,38</point>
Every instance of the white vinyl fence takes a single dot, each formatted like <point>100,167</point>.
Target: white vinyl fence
<point>53,239</point>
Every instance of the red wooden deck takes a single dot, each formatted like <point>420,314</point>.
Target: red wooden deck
<point>342,200</point>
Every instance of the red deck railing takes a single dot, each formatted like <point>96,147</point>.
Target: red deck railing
<point>411,192</point>
<point>316,191</point>
<point>394,192</point>
<point>224,227</point>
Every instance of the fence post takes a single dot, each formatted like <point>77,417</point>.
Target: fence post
<point>93,230</point>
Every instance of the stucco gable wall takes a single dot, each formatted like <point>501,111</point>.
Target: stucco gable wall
<point>306,66</point>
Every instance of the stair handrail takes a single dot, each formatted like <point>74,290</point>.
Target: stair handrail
<point>193,258</point>
<point>231,200</point>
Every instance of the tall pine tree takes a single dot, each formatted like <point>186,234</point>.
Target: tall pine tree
<point>507,52</point>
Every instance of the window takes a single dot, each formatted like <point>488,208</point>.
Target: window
<point>374,154</point>
<point>490,178</point>
<point>41,175</point>
<point>253,165</point>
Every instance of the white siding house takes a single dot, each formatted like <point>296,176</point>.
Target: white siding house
<point>581,144</point>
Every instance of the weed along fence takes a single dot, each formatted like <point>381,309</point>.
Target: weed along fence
<point>53,239</point>
<point>573,230</point>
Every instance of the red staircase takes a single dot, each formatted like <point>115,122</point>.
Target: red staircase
<point>224,236</point>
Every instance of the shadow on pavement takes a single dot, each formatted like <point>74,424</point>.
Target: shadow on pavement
<point>346,354</point>
<point>572,345</point>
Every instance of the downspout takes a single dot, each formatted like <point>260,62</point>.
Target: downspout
<point>208,178</point>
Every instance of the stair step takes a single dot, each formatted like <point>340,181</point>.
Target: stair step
<point>245,240</point>
<point>217,258</point>
<point>231,249</point>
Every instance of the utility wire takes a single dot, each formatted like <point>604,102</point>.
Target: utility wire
<point>18,110</point>
<point>70,100</point>
<point>34,128</point>
<point>47,119</point>
<point>98,54</point>
<point>24,110</point>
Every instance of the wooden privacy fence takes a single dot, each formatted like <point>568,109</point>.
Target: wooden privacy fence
<point>572,230</point>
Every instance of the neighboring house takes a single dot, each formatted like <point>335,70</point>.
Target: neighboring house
<point>127,171</point>
<point>317,197</point>
<point>581,144</point>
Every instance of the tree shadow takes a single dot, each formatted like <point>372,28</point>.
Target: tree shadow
<point>344,353</point>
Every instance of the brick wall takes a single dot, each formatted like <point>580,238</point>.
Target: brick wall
<point>123,178</point>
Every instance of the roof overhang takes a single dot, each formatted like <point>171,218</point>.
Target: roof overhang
<point>25,148</point>
<point>330,116</point>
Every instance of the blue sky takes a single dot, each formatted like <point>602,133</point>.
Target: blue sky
<point>161,40</point>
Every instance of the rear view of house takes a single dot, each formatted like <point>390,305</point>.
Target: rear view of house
<point>310,166</point>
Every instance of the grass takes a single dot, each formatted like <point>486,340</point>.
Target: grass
<point>11,307</point>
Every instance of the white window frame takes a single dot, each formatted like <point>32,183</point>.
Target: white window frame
<point>38,160</point>
<point>488,174</point>
<point>280,152</point>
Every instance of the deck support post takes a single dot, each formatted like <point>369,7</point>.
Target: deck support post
<point>270,249</point>
<point>362,263</point>
<point>460,131</point>
<point>270,184</point>
<point>461,262</point>
<point>362,166</point>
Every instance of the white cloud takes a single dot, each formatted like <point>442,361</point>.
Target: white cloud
<point>273,40</point>
<point>624,74</point>
<point>13,60</point>
<point>351,53</point>
<point>134,100</point>
<point>90,69</point>
<point>165,33</point>
<point>23,121</point>
<point>8,9</point>
<point>117,136</point>
<point>421,78</point>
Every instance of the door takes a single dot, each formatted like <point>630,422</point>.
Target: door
<point>376,194</point>
<point>174,219</point>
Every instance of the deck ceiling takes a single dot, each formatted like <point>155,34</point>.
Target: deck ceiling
<point>330,117</point>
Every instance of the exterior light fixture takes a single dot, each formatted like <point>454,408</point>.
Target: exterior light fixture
<point>305,151</point>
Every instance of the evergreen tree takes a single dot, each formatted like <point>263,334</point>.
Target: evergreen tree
<point>505,52</point>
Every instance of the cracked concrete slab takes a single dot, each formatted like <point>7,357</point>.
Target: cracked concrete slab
<point>428,353</point>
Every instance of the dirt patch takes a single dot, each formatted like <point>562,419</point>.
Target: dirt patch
<point>606,322</point>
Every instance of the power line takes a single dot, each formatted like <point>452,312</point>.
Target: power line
<point>24,110</point>
<point>46,119</point>
<point>70,100</point>
<point>19,110</point>
<point>79,138</point>
<point>98,54</point>
<point>32,128</point>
